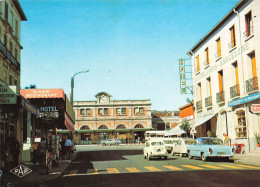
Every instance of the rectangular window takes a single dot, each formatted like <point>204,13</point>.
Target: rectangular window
<point>218,48</point>
<point>5,41</point>
<point>136,111</point>
<point>252,56</point>
<point>16,28</point>
<point>141,110</point>
<point>12,19</point>
<point>11,80</point>
<point>88,112</point>
<point>100,111</point>
<point>249,24</point>
<point>15,82</point>
<point>15,53</point>
<point>241,126</point>
<point>200,93</point>
<point>220,79</point>
<point>82,112</point>
<point>123,110</point>
<point>118,111</point>
<point>209,86</point>
<point>11,47</point>
<point>236,72</point>
<point>105,111</point>
<point>6,11</point>
<point>207,56</point>
<point>198,63</point>
<point>233,36</point>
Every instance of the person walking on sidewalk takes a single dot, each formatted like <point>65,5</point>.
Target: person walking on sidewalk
<point>68,148</point>
<point>42,152</point>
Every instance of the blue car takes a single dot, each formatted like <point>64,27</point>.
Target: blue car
<point>205,148</point>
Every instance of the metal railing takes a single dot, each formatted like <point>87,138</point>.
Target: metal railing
<point>252,85</point>
<point>234,91</point>
<point>7,54</point>
<point>249,32</point>
<point>208,101</point>
<point>220,97</point>
<point>198,105</point>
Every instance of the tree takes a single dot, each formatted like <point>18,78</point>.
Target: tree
<point>186,127</point>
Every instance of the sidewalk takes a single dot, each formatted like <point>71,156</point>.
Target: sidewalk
<point>247,159</point>
<point>38,174</point>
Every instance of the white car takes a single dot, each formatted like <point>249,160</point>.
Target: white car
<point>155,148</point>
<point>110,142</point>
<point>170,143</point>
<point>181,146</point>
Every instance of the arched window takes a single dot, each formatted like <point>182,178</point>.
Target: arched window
<point>102,127</point>
<point>139,126</point>
<point>84,127</point>
<point>121,126</point>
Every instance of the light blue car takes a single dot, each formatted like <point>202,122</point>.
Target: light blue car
<point>205,148</point>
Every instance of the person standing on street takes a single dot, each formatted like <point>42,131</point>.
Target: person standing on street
<point>42,152</point>
<point>68,147</point>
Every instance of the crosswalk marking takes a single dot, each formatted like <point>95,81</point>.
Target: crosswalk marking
<point>131,169</point>
<point>210,166</point>
<point>254,167</point>
<point>112,170</point>
<point>192,167</point>
<point>151,168</point>
<point>94,172</point>
<point>229,166</point>
<point>172,168</point>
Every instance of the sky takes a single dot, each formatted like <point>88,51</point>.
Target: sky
<point>130,47</point>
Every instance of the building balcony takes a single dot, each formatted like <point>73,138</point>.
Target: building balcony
<point>8,55</point>
<point>220,97</point>
<point>208,101</point>
<point>252,85</point>
<point>198,105</point>
<point>248,33</point>
<point>234,91</point>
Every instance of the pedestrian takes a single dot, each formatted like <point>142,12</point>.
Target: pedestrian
<point>7,158</point>
<point>62,146</point>
<point>14,147</point>
<point>68,148</point>
<point>42,152</point>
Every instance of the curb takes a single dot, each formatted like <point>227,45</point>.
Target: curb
<point>62,172</point>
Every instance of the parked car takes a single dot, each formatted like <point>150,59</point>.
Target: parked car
<point>181,146</point>
<point>209,147</point>
<point>169,143</point>
<point>110,142</point>
<point>155,148</point>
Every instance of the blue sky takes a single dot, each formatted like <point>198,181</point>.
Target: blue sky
<point>131,47</point>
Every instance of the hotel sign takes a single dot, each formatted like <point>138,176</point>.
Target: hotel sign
<point>8,95</point>
<point>185,76</point>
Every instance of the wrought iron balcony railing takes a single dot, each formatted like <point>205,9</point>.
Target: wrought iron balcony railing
<point>249,32</point>
<point>252,85</point>
<point>198,105</point>
<point>7,54</point>
<point>208,101</point>
<point>234,91</point>
<point>220,97</point>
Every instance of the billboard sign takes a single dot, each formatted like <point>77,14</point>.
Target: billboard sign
<point>8,95</point>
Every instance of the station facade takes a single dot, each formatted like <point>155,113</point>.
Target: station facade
<point>225,75</point>
<point>105,118</point>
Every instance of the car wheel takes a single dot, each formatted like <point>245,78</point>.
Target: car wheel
<point>144,157</point>
<point>189,155</point>
<point>103,144</point>
<point>203,157</point>
<point>149,158</point>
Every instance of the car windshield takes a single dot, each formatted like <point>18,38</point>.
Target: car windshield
<point>213,142</point>
<point>156,143</point>
<point>167,141</point>
<point>189,142</point>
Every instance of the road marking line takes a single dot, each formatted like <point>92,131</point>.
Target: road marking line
<point>73,172</point>
<point>151,168</point>
<point>132,169</point>
<point>228,166</point>
<point>255,167</point>
<point>192,167</point>
<point>210,166</point>
<point>172,168</point>
<point>112,170</point>
<point>93,173</point>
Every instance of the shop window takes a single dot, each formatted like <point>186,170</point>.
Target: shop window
<point>241,127</point>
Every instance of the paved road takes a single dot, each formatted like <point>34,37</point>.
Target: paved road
<point>125,166</point>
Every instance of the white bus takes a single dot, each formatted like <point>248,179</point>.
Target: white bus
<point>151,135</point>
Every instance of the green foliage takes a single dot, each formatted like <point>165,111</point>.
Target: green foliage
<point>185,126</point>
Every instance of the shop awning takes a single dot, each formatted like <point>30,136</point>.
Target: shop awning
<point>175,131</point>
<point>200,121</point>
<point>68,122</point>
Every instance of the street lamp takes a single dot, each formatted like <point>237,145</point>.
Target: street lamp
<point>72,84</point>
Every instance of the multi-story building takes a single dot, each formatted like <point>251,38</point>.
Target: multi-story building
<point>11,15</point>
<point>104,118</point>
<point>165,120</point>
<point>226,67</point>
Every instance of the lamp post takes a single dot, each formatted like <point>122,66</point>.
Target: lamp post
<point>72,84</point>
